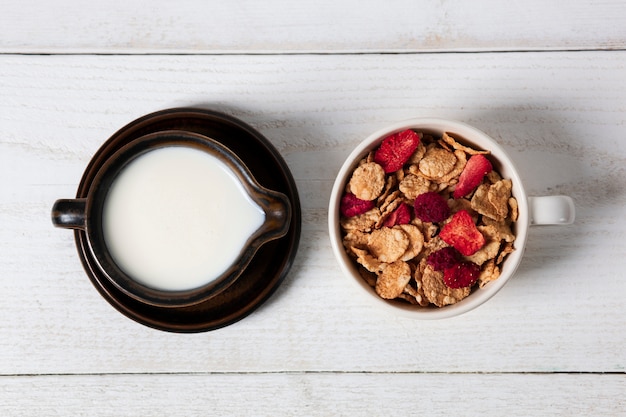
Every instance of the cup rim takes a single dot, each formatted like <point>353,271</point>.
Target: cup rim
<point>97,193</point>
<point>466,134</point>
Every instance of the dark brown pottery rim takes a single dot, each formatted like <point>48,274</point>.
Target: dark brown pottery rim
<point>268,267</point>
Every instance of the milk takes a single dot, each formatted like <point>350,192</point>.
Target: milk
<point>176,218</point>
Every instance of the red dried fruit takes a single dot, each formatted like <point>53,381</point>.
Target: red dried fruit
<point>431,207</point>
<point>462,233</point>
<point>351,206</point>
<point>444,258</point>
<point>401,215</point>
<point>396,149</point>
<point>475,170</point>
<point>463,274</point>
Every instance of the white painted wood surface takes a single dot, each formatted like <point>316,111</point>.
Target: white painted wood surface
<point>315,395</point>
<point>551,342</point>
<point>194,26</point>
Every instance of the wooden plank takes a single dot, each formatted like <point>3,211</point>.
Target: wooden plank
<point>314,395</point>
<point>561,115</point>
<point>133,26</point>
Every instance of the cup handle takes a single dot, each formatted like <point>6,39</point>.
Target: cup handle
<point>69,213</point>
<point>551,210</point>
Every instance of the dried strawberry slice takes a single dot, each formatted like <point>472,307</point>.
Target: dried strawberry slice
<point>396,149</point>
<point>444,258</point>
<point>463,274</point>
<point>462,233</point>
<point>401,215</point>
<point>475,170</point>
<point>351,205</point>
<point>431,207</point>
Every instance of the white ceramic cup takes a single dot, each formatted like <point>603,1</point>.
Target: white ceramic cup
<point>544,210</point>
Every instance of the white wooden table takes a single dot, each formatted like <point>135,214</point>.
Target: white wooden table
<point>546,79</point>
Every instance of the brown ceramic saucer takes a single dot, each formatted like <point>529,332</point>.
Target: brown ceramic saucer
<point>270,264</point>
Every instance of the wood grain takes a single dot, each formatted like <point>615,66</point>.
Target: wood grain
<point>326,26</point>
<point>297,394</point>
<point>545,79</point>
<point>560,115</point>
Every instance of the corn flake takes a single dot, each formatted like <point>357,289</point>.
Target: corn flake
<point>368,181</point>
<point>489,272</point>
<point>413,185</point>
<point>436,163</point>
<point>446,138</point>
<point>416,241</point>
<point>388,244</point>
<point>392,281</point>
<point>490,249</point>
<point>437,292</point>
<point>498,195</point>
<point>364,222</point>
<point>365,259</point>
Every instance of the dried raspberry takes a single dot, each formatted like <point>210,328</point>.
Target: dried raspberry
<point>351,206</point>
<point>401,215</point>
<point>463,274</point>
<point>444,258</point>
<point>475,170</point>
<point>462,233</point>
<point>431,207</point>
<point>396,149</point>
